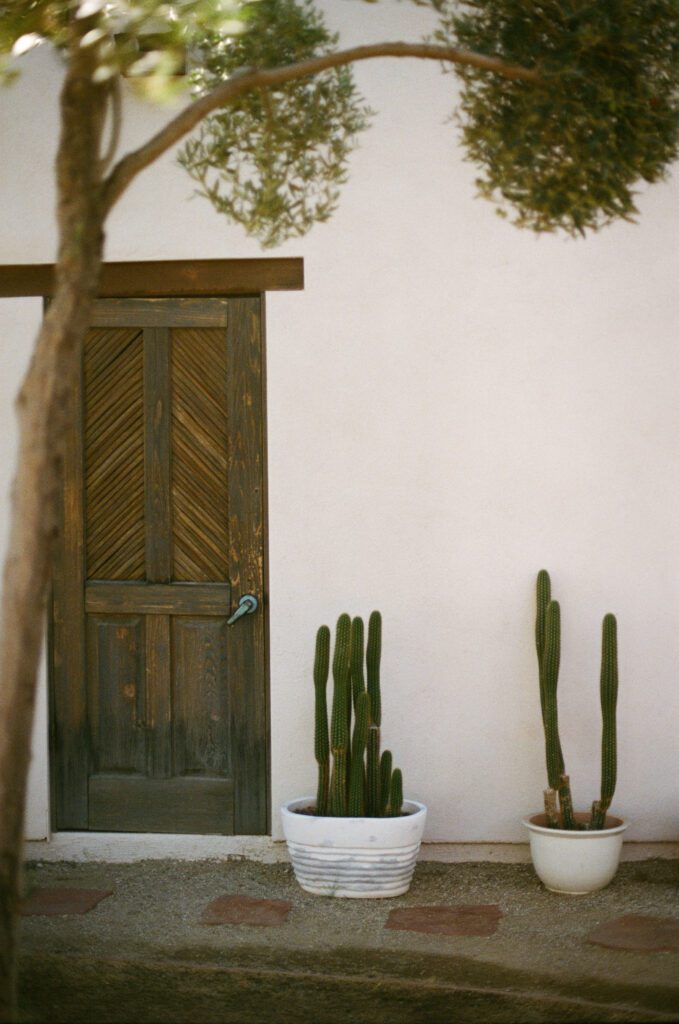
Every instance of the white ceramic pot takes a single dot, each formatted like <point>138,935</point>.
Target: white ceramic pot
<point>575,863</point>
<point>354,857</point>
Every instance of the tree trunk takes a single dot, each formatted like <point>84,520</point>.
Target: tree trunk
<point>42,422</point>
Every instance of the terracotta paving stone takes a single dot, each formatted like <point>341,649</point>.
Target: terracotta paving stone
<point>246,910</point>
<point>640,933</point>
<point>481,920</point>
<point>55,902</point>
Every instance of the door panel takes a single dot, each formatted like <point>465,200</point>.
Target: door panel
<point>199,452</point>
<point>159,708</point>
<point>201,728</point>
<point>114,454</point>
<point>115,660</point>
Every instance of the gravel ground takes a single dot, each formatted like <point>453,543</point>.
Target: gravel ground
<point>152,924</point>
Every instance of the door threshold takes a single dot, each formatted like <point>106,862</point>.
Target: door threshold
<point>126,847</point>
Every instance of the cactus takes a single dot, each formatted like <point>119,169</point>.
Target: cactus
<point>361,783</point>
<point>373,654</point>
<point>357,674</point>
<point>395,794</point>
<point>339,725</point>
<point>322,742</point>
<point>385,781</point>
<point>548,645</point>
<point>357,768</point>
<point>549,678</point>
<point>609,698</point>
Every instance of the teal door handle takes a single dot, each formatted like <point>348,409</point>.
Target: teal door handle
<point>246,606</point>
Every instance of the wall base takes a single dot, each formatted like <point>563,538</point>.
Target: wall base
<point>118,847</point>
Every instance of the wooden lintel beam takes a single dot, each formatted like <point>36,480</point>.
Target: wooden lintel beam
<point>166,278</point>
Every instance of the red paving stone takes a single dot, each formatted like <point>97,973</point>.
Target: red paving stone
<point>639,933</point>
<point>246,910</point>
<point>56,902</point>
<point>481,920</point>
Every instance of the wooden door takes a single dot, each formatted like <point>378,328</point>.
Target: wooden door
<point>159,708</point>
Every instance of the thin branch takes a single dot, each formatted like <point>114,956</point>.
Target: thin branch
<point>253,78</point>
<point>116,122</point>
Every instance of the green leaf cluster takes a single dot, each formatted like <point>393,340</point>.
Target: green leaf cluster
<point>274,159</point>
<point>146,38</point>
<point>566,155</point>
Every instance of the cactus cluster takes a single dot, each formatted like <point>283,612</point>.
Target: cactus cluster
<point>548,643</point>
<point>354,780</point>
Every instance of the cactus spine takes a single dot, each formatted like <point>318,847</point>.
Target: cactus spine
<point>360,783</point>
<point>548,644</point>
<point>321,739</point>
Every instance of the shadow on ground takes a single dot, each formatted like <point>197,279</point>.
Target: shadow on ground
<point>144,954</point>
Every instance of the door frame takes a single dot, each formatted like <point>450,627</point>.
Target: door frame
<point>180,279</point>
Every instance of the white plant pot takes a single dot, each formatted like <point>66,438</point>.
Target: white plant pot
<point>575,863</point>
<point>355,857</point>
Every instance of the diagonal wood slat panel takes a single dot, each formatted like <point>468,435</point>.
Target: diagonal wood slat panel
<point>199,455</point>
<point>114,454</point>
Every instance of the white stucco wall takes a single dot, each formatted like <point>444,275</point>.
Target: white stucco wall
<point>453,405</point>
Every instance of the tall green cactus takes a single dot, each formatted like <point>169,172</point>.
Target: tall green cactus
<point>357,767</point>
<point>609,699</point>
<point>321,739</point>
<point>360,784</point>
<point>357,673</point>
<point>373,655</point>
<point>395,794</point>
<point>548,644</point>
<point>549,678</point>
<point>340,721</point>
<point>385,780</point>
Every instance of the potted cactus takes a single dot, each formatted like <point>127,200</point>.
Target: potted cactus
<point>358,837</point>
<point>574,852</point>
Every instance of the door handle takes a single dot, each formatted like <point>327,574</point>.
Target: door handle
<point>246,606</point>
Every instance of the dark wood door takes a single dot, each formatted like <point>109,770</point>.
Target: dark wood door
<point>159,708</point>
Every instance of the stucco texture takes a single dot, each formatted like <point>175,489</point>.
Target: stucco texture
<point>452,405</point>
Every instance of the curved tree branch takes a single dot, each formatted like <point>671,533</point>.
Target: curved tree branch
<point>116,123</point>
<point>253,78</point>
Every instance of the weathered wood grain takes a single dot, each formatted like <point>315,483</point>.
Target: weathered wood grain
<point>157,507</point>
<point>199,455</point>
<point>160,312</point>
<point>159,717</point>
<point>158,598</point>
<point>187,805</point>
<point>201,691</point>
<point>69,739</point>
<point>116,694</point>
<point>114,453</point>
<point>247,656</point>
<point>169,465</point>
<point>169,278</point>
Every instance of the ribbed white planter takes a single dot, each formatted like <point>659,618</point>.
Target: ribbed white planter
<point>575,863</point>
<point>354,857</point>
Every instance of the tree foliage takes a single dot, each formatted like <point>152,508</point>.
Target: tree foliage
<point>568,155</point>
<point>564,155</point>
<point>148,38</point>
<point>273,160</point>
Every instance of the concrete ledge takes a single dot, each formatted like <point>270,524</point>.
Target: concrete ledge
<point>127,847</point>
